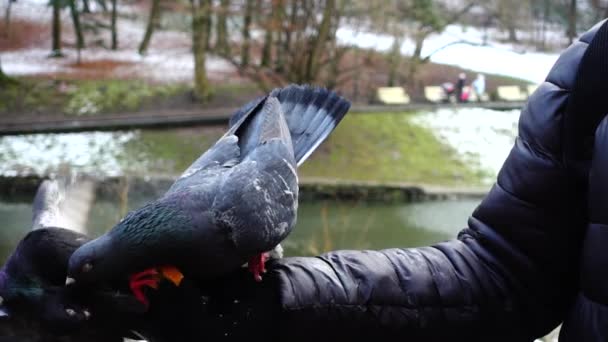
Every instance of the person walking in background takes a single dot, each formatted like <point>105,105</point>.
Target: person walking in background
<point>479,86</point>
<point>462,77</point>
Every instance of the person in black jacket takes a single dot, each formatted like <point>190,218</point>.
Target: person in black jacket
<point>511,275</point>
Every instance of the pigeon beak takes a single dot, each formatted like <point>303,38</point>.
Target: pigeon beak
<point>69,281</point>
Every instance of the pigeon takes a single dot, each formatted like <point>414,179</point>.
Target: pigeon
<point>34,303</point>
<point>231,207</point>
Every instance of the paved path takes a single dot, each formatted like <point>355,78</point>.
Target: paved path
<point>202,117</point>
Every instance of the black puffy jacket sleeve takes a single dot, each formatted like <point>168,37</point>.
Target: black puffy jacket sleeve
<point>510,275</point>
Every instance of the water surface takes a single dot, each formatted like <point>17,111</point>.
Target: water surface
<point>322,225</point>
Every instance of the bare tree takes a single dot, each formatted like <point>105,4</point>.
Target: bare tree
<point>56,29</point>
<point>221,43</point>
<point>77,27</point>
<point>113,26</point>
<point>153,22</point>
<point>7,18</point>
<point>296,45</point>
<point>201,14</point>
<point>246,41</point>
<point>571,21</point>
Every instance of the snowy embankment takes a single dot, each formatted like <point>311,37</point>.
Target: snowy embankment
<point>462,47</point>
<point>483,137</point>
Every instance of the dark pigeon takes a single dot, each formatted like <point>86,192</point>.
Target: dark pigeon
<point>35,304</point>
<point>236,202</point>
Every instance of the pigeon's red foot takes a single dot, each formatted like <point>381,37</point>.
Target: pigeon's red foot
<point>256,265</point>
<point>138,281</point>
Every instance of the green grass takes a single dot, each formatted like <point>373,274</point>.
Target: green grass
<point>364,147</point>
<point>388,148</point>
<point>40,97</point>
<point>166,152</point>
<point>82,97</point>
<point>94,97</point>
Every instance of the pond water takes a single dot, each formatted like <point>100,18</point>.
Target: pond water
<point>322,225</point>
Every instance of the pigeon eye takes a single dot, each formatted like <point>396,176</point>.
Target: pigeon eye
<point>87,267</point>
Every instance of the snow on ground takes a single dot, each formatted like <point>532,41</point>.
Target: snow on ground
<point>92,152</point>
<point>495,58</point>
<point>483,137</point>
<point>169,58</point>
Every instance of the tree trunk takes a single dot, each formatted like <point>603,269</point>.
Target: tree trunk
<point>153,22</point>
<point>322,36</point>
<point>512,33</point>
<point>572,21</point>
<point>415,60</point>
<point>394,61</point>
<point>356,75</point>
<point>113,26</point>
<point>56,29</point>
<point>278,13</point>
<point>221,43</point>
<point>102,4</point>
<point>200,20</point>
<point>7,19</point>
<point>246,36</point>
<point>209,28</point>
<point>85,6</point>
<point>77,27</point>
<point>272,29</point>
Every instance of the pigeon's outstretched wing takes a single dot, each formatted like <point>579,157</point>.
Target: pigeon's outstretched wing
<point>310,113</point>
<point>257,200</point>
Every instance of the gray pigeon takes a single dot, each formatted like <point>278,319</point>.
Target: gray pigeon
<point>234,204</point>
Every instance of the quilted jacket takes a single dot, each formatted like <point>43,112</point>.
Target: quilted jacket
<point>512,274</point>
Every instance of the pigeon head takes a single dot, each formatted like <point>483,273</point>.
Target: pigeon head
<point>91,263</point>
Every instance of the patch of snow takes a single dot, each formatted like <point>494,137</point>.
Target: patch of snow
<point>169,58</point>
<point>41,154</point>
<point>482,137</point>
<point>496,58</point>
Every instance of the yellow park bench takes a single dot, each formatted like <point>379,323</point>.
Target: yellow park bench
<point>510,93</point>
<point>433,93</point>
<point>392,95</point>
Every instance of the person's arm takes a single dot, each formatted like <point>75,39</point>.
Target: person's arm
<point>510,275</point>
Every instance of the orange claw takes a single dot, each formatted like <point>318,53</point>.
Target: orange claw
<point>172,274</point>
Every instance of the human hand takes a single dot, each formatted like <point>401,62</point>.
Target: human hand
<point>233,307</point>
<point>35,300</point>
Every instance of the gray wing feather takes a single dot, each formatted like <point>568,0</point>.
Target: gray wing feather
<point>257,202</point>
<point>224,154</point>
